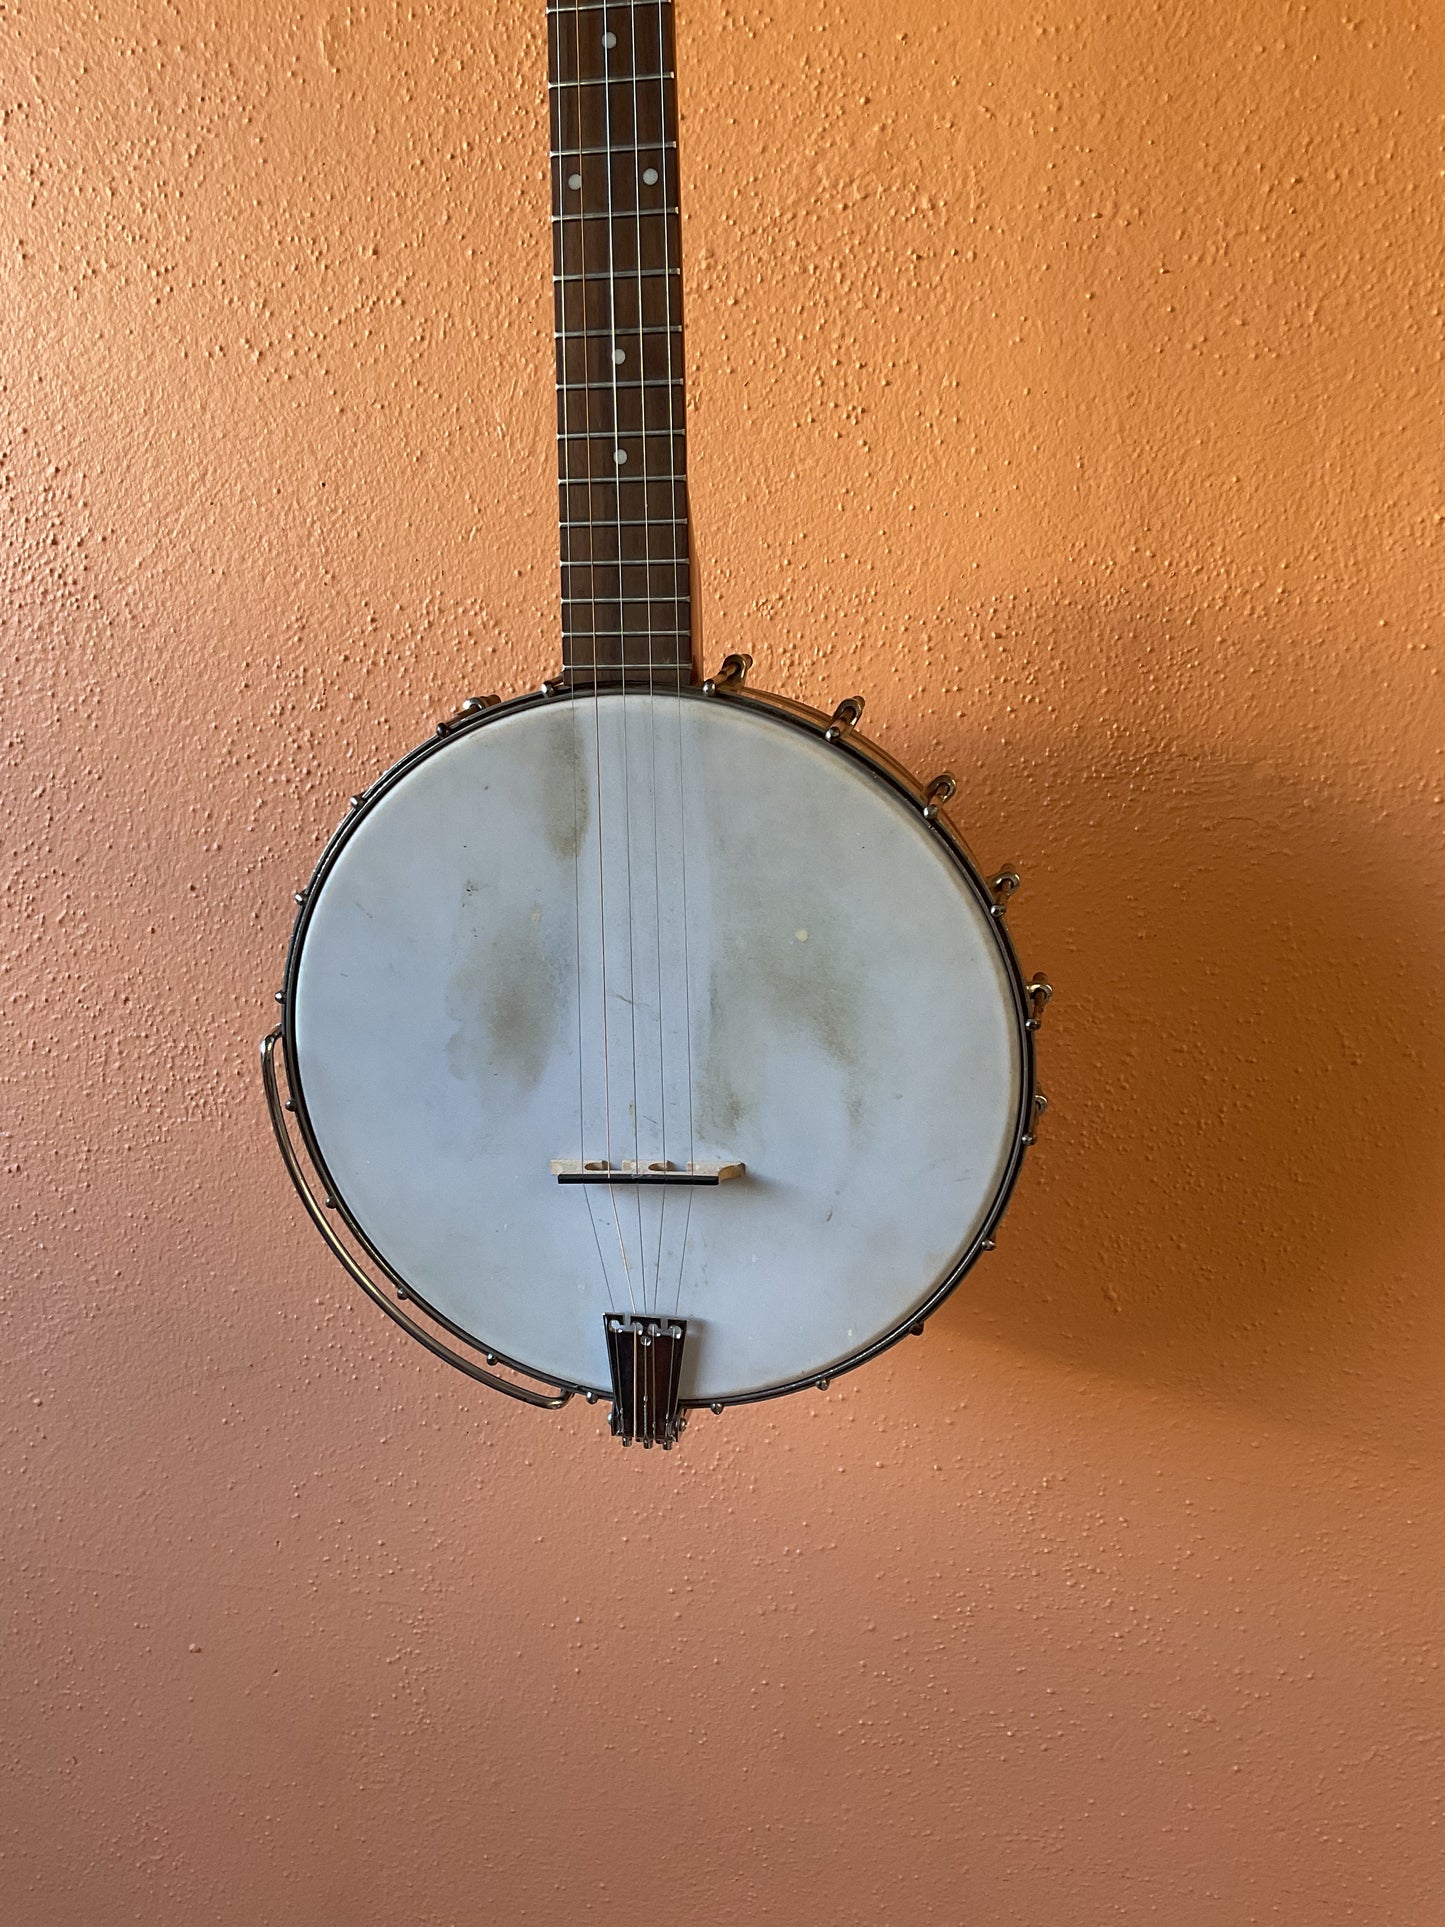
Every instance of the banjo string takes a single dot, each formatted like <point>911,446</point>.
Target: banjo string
<point>672,375</point>
<point>619,456</point>
<point>585,358</point>
<point>564,417</point>
<point>647,577</point>
<point>579,777</point>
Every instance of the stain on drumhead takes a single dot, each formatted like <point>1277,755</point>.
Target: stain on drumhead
<point>804,989</point>
<point>566,785</point>
<point>502,996</point>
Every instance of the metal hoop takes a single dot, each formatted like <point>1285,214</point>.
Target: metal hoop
<point>1027,1001</point>
<point>317,1214</point>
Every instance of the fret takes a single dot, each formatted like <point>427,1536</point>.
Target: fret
<point>588,677</point>
<point>602,388</point>
<point>612,80</point>
<point>593,469</point>
<point>664,636</point>
<point>613,274</point>
<point>612,435</point>
<point>610,147</point>
<point>627,538</point>
<point>639,538</point>
<point>658,403</point>
<point>642,240</point>
<point>606,664</point>
<point>610,334</point>
<point>634,449</point>
<point>603,617</point>
<point>613,214</point>
<point>619,214</point>
<point>614,611</point>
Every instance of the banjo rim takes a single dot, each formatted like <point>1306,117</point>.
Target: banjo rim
<point>840,733</point>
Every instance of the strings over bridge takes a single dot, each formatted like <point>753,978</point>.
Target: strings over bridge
<point>600,1171</point>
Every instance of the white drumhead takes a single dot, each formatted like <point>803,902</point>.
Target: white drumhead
<point>658,928</point>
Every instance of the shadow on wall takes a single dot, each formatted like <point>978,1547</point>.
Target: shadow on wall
<point>1245,1137</point>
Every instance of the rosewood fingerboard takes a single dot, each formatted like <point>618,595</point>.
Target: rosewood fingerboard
<point>616,245</point>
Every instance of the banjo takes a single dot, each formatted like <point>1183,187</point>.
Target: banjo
<point>645,1037</point>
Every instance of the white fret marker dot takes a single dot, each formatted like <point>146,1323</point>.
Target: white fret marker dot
<point>619,455</point>
<point>574,180</point>
<point>609,40</point>
<point>619,355</point>
<point>649,174</point>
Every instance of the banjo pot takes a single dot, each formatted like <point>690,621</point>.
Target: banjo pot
<point>659,1041</point>
<point>779,1100</point>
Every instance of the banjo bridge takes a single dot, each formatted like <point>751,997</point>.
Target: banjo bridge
<point>645,1357</point>
<point>662,1171</point>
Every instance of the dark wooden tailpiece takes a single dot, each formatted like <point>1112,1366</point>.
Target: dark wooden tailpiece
<point>626,592</point>
<point>645,1356</point>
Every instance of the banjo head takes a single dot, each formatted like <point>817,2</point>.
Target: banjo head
<point>667,934</point>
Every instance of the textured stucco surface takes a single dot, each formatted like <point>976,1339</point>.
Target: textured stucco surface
<point>1066,379</point>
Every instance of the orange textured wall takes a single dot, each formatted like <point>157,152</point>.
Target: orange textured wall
<point>1067,379</point>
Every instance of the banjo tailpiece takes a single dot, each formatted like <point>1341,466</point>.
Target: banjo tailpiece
<point>645,1355</point>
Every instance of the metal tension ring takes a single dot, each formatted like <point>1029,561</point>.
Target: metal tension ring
<point>1038,990</point>
<point>732,674</point>
<point>846,716</point>
<point>940,791</point>
<point>473,706</point>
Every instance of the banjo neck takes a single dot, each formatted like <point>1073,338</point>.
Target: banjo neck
<point>616,248</point>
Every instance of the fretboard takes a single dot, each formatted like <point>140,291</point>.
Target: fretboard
<point>616,245</point>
